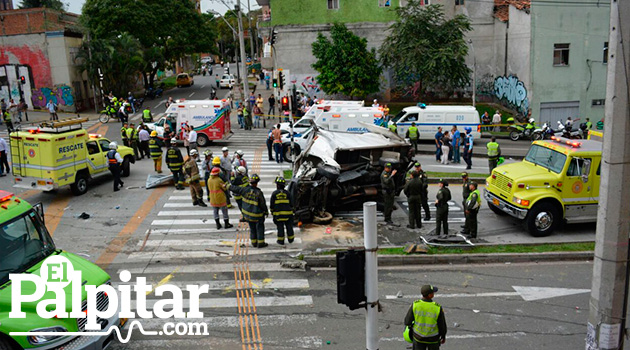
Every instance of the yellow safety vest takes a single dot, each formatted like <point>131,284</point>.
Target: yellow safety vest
<point>425,318</point>
<point>493,149</point>
<point>413,133</point>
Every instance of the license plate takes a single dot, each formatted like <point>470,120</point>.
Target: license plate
<point>495,201</point>
<point>41,183</point>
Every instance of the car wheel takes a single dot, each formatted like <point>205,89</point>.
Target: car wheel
<point>103,118</point>
<point>80,185</point>
<point>514,135</point>
<point>202,140</point>
<point>542,219</point>
<point>126,167</point>
<point>328,171</point>
<point>7,344</point>
<point>286,151</point>
<point>325,219</point>
<point>537,136</point>
<point>496,210</point>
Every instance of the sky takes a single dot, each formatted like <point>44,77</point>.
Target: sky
<point>75,5</point>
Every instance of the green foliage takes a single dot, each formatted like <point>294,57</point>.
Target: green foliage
<point>51,4</point>
<point>345,65</point>
<point>426,50</point>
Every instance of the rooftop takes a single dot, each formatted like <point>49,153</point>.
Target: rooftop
<point>37,20</point>
<point>502,8</point>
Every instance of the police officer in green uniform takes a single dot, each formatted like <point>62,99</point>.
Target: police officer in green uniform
<point>426,318</point>
<point>413,135</point>
<point>174,161</point>
<point>282,210</point>
<point>254,210</point>
<point>393,128</point>
<point>413,191</point>
<point>473,203</point>
<point>441,203</point>
<point>389,191</point>
<point>465,188</point>
<point>123,134</point>
<point>494,152</point>
<point>132,139</point>
<point>146,115</point>
<point>424,196</point>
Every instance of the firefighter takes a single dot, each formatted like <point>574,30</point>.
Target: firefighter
<point>206,166</point>
<point>192,172</point>
<point>282,211</point>
<point>115,160</point>
<point>240,179</point>
<point>473,203</point>
<point>155,150</point>
<point>224,175</point>
<point>216,186</point>
<point>254,210</point>
<point>123,134</point>
<point>389,191</point>
<point>174,161</point>
<point>441,203</point>
<point>132,139</point>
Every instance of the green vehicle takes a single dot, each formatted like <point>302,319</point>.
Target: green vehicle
<point>24,246</point>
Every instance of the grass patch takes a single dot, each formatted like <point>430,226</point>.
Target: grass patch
<point>288,174</point>
<point>457,174</point>
<point>169,82</point>
<point>516,248</point>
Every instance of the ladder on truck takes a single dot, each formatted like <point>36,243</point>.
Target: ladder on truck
<point>63,125</point>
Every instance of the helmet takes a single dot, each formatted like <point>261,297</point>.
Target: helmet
<point>280,180</point>
<point>153,133</point>
<point>216,161</point>
<point>113,145</point>
<point>208,153</point>
<point>468,129</point>
<point>194,152</point>
<point>531,120</point>
<point>173,141</point>
<point>215,171</point>
<point>241,170</point>
<point>224,149</point>
<point>240,153</point>
<point>254,178</point>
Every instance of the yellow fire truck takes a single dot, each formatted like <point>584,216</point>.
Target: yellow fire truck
<point>558,181</point>
<point>61,153</point>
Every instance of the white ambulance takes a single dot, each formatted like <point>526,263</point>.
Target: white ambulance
<point>429,118</point>
<point>315,111</point>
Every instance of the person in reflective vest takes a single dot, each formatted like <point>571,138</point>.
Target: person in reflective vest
<point>413,135</point>
<point>155,150</point>
<point>426,318</point>
<point>393,128</point>
<point>123,134</point>
<point>473,203</point>
<point>146,115</point>
<point>254,210</point>
<point>240,179</point>
<point>132,137</point>
<point>494,152</point>
<point>282,210</point>
<point>216,195</point>
<point>192,172</point>
<point>174,161</point>
<point>114,161</point>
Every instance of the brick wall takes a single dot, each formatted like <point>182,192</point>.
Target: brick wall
<point>35,20</point>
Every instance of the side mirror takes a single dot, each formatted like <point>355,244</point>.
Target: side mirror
<point>39,209</point>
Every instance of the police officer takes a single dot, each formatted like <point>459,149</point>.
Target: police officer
<point>424,196</point>
<point>254,210</point>
<point>473,203</point>
<point>123,134</point>
<point>413,136</point>
<point>146,115</point>
<point>240,179</point>
<point>494,152</point>
<point>155,150</point>
<point>465,188</point>
<point>441,203</point>
<point>427,320</point>
<point>413,190</point>
<point>468,147</point>
<point>132,139</point>
<point>114,161</point>
<point>393,128</point>
<point>389,191</point>
<point>192,172</point>
<point>282,210</point>
<point>174,161</point>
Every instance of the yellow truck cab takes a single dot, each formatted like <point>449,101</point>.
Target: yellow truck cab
<point>61,153</point>
<point>558,181</point>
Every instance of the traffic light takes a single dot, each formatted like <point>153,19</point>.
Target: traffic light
<point>281,80</point>
<point>351,278</point>
<point>285,103</point>
<point>23,80</point>
<point>274,37</point>
<point>275,82</point>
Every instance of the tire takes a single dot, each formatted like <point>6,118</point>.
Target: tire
<point>323,220</point>
<point>7,343</point>
<point>103,118</point>
<point>537,136</point>
<point>202,140</point>
<point>328,171</point>
<point>286,151</point>
<point>514,135</point>
<point>496,210</point>
<point>126,168</point>
<point>80,185</point>
<point>542,219</point>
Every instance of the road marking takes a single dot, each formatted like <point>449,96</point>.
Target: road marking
<point>193,222</point>
<point>202,268</point>
<point>164,281</point>
<point>116,245</point>
<point>54,212</point>
<point>200,254</point>
<point>466,336</point>
<point>216,303</point>
<point>196,242</point>
<point>232,321</point>
<point>191,95</point>
<point>527,293</point>
<point>266,284</point>
<point>203,86</point>
<point>215,343</point>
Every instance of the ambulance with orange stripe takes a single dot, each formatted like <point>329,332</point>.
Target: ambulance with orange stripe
<point>429,118</point>
<point>61,153</point>
<point>558,181</point>
<point>209,118</point>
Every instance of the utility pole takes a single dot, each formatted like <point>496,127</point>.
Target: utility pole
<point>242,50</point>
<point>371,275</point>
<point>251,32</point>
<point>609,294</point>
<point>474,71</point>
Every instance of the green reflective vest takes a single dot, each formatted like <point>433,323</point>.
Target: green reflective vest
<point>589,125</point>
<point>7,117</point>
<point>132,134</point>
<point>393,128</point>
<point>425,318</point>
<point>123,133</point>
<point>493,150</point>
<point>281,207</point>
<point>146,116</point>
<point>154,148</point>
<point>174,159</point>
<point>413,133</point>
<point>472,197</point>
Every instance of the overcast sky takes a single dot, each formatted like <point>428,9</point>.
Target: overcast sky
<point>75,5</point>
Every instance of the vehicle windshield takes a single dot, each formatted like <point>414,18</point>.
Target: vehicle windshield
<point>398,116</point>
<point>24,241</point>
<point>182,76</point>
<point>546,158</point>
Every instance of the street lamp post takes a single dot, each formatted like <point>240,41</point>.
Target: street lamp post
<point>242,50</point>
<point>474,82</point>
<point>238,70</point>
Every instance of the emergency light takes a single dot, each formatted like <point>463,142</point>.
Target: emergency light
<point>574,144</point>
<point>5,196</point>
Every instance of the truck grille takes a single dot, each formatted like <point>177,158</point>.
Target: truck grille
<point>102,302</point>
<point>501,182</point>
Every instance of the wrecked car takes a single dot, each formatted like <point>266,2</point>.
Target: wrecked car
<point>339,171</point>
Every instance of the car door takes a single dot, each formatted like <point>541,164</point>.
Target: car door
<point>577,190</point>
<point>405,123</point>
<point>96,161</point>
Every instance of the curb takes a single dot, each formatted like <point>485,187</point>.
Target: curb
<point>457,259</point>
<point>457,180</point>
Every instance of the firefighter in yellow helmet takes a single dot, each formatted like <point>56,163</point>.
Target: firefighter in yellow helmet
<point>155,150</point>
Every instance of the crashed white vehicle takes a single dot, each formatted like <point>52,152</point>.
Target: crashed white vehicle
<point>339,171</point>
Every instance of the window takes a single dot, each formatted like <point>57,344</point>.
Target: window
<point>459,2</point>
<point>560,54</point>
<point>92,147</point>
<point>605,58</point>
<point>578,167</point>
<point>104,145</point>
<point>333,4</point>
<point>598,102</point>
<point>412,117</point>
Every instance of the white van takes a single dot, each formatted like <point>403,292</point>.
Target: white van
<point>315,111</point>
<point>429,118</point>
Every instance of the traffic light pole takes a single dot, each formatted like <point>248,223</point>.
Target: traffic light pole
<point>371,275</point>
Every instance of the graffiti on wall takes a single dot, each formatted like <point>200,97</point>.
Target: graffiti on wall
<point>513,91</point>
<point>61,95</point>
<point>307,84</point>
<point>33,57</point>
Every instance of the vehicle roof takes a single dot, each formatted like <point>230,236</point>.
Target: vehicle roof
<point>440,108</point>
<point>585,145</point>
<point>42,134</point>
<point>343,109</point>
<point>12,207</point>
<point>199,102</point>
<point>182,74</point>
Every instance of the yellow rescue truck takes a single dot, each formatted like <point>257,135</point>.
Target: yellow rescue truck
<point>61,153</point>
<point>558,181</point>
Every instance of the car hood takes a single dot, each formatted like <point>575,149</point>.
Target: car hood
<point>523,171</point>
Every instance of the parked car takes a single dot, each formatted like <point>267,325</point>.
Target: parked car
<point>227,81</point>
<point>184,79</point>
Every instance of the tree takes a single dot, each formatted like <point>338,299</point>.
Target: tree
<point>345,65</point>
<point>51,4</point>
<point>425,50</point>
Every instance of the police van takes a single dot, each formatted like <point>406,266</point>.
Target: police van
<point>346,119</point>
<point>313,113</point>
<point>429,118</point>
<point>209,118</point>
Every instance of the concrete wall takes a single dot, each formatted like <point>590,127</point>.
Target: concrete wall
<point>291,12</point>
<point>585,28</point>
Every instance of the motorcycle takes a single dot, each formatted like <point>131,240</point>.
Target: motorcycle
<point>518,131</point>
<point>153,93</point>
<point>213,94</point>
<point>108,113</point>
<point>138,102</point>
<point>568,132</point>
